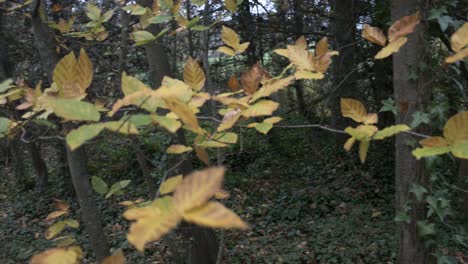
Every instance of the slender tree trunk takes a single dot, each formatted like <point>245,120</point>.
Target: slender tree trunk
<point>415,94</point>
<point>39,167</point>
<point>145,170</point>
<point>16,150</point>
<point>298,6</point>
<point>88,208</point>
<point>344,32</point>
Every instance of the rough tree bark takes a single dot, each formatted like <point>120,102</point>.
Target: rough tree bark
<point>411,95</point>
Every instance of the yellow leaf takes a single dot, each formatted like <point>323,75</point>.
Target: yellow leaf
<point>457,56</point>
<point>430,151</point>
<point>251,78</point>
<point>197,188</point>
<point>172,125</point>
<point>185,114</point>
<point>371,119</point>
<point>273,120</point>
<point>272,86</point>
<point>460,150</point>
<point>390,131</point>
<point>73,76</point>
<point>56,228</point>
<point>222,194</point>
<point>194,75</point>
<point>54,215</point>
<point>349,143</point>
<point>152,222</point>
<point>363,148</point>
<point>61,205</point>
<point>404,26</point>
<point>178,149</point>
<point>242,47</point>
<point>202,155</point>
<point>70,255</point>
<point>261,108</point>
<point>456,129</point>
<point>322,47</point>
<point>307,75</point>
<point>353,109</point>
<point>226,50</point>
<point>362,132</point>
<point>230,38</point>
<point>301,43</point>
<point>302,59</point>
<point>459,39</point>
<point>231,5</point>
<point>214,214</point>
<point>230,118</point>
<point>170,184</point>
<point>117,258</point>
<point>132,85</point>
<point>391,48</point>
<point>374,35</point>
<point>431,142</point>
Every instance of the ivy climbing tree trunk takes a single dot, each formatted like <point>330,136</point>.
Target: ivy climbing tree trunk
<point>411,94</point>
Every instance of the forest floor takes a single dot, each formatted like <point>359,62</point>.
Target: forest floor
<point>306,200</point>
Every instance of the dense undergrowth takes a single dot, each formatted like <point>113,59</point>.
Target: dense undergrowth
<point>306,200</point>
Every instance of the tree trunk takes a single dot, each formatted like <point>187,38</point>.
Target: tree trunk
<point>39,167</point>
<point>414,94</point>
<point>17,157</point>
<point>145,170</point>
<point>89,211</point>
<point>344,32</point>
<point>299,27</point>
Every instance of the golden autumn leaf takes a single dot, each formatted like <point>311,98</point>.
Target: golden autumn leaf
<point>390,131</point>
<point>73,75</point>
<point>222,194</point>
<point>307,75</point>
<point>434,142</point>
<point>178,149</point>
<point>374,35</point>
<point>301,43</point>
<point>272,86</point>
<point>403,26</point>
<point>363,148</point>
<point>230,37</point>
<point>214,214</point>
<point>391,48</point>
<point>202,155</point>
<point>459,44</point>
<point>349,143</point>
<point>67,255</point>
<point>456,129</point>
<point>117,258</point>
<point>226,50</point>
<point>170,184</point>
<point>229,119</point>
<point>198,187</point>
<point>231,5</point>
<point>353,109</point>
<point>261,108</point>
<point>184,112</point>
<point>322,47</point>
<point>151,222</point>
<point>194,75</point>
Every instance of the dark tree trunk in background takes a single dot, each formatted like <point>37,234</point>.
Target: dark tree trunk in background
<point>145,170</point>
<point>298,7</point>
<point>415,94</point>
<point>344,34</point>
<point>88,209</point>
<point>39,167</point>
<point>63,171</point>
<point>5,71</point>
<point>17,156</point>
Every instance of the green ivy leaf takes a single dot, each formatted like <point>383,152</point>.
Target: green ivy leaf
<point>117,188</point>
<point>99,185</point>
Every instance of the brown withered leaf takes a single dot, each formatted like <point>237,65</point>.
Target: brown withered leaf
<point>404,26</point>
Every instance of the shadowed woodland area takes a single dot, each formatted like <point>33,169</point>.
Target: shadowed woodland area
<point>233,131</point>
